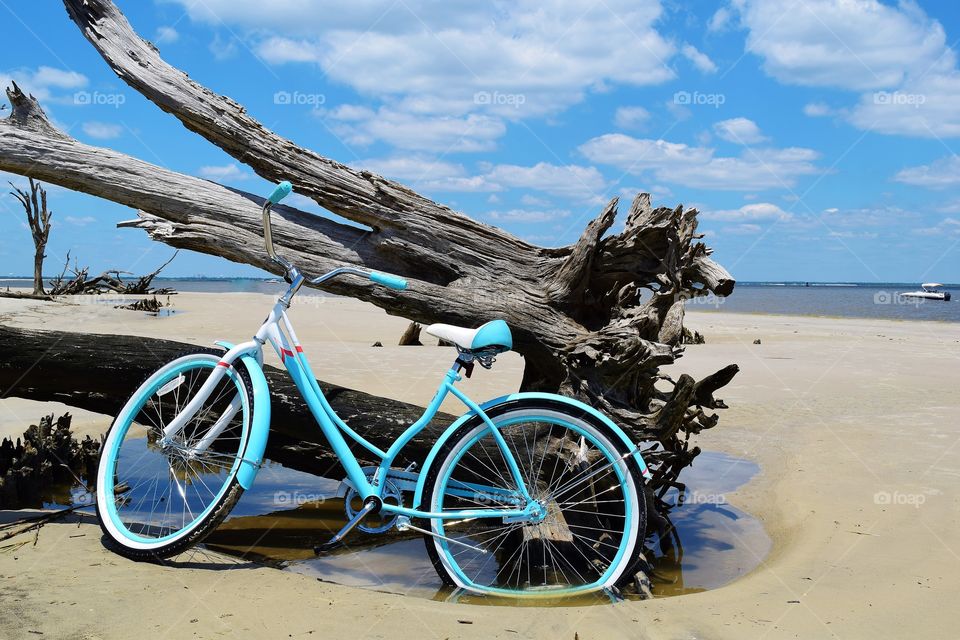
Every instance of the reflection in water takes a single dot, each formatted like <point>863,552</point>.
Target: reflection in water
<point>62,494</point>
<point>712,542</point>
<point>287,512</point>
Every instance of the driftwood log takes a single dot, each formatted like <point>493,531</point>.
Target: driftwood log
<point>111,281</point>
<point>99,372</point>
<point>594,320</point>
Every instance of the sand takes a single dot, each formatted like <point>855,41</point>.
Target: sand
<point>853,423</point>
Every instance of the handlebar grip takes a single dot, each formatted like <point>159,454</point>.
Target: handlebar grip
<point>388,280</point>
<point>281,191</point>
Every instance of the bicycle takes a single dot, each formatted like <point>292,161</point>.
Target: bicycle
<point>527,494</point>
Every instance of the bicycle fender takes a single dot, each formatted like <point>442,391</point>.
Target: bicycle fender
<point>529,395</point>
<point>260,424</point>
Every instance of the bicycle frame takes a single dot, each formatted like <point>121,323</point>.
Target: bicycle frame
<point>279,332</point>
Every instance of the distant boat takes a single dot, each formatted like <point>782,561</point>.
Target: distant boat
<point>929,291</point>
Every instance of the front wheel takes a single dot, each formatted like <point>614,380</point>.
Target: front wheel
<point>574,466</point>
<point>157,493</point>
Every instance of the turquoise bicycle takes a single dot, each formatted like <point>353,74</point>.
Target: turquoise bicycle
<point>528,494</point>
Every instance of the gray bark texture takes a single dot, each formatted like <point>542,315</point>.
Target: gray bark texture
<point>577,312</point>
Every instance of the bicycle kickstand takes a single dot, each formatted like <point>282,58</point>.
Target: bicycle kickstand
<point>337,540</point>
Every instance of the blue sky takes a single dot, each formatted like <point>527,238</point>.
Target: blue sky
<point>817,138</point>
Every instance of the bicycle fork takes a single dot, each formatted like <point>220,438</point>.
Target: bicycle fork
<point>190,411</point>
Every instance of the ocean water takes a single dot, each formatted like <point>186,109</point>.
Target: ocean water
<point>843,300</point>
<point>199,285</point>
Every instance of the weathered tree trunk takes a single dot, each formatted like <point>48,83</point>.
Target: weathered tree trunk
<point>38,219</point>
<point>99,372</point>
<point>578,315</point>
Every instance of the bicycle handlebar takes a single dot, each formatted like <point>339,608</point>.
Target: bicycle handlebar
<point>388,280</point>
<point>280,192</point>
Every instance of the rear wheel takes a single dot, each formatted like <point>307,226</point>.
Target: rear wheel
<point>155,497</point>
<point>579,472</point>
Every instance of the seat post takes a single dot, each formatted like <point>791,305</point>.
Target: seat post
<point>464,361</point>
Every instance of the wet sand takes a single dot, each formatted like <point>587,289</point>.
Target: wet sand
<point>852,422</point>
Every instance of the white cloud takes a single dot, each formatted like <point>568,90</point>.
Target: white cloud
<point>44,82</point>
<point>896,55</point>
<point>59,78</point>
<point>642,153</point>
<point>816,109</point>
<point>225,172</point>
<point>362,126</point>
<point>853,44</point>
<point>279,50</point>
<point>573,181</point>
<point>720,20</point>
<point>739,131</point>
<point>946,227</point>
<point>699,59</point>
<point>102,130</point>
<point>81,221</point>
<point>529,215</point>
<point>424,173</point>
<point>939,174</point>
<point>950,207</point>
<point>166,35</point>
<point>928,107</point>
<point>466,184</point>
<point>631,117</point>
<point>301,16</point>
<point>545,55</point>
<point>678,163</point>
<point>748,213</point>
<point>854,235</point>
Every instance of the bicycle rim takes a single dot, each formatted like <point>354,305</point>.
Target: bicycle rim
<point>152,495</point>
<point>575,471</point>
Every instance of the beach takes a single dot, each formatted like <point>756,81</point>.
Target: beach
<point>851,421</point>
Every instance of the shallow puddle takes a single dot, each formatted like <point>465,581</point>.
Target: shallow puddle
<point>287,512</point>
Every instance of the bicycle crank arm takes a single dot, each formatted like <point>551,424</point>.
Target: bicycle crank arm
<point>403,524</point>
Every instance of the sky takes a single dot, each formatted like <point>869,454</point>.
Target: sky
<point>817,138</point>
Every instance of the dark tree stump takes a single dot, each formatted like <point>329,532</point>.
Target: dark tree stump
<point>411,336</point>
